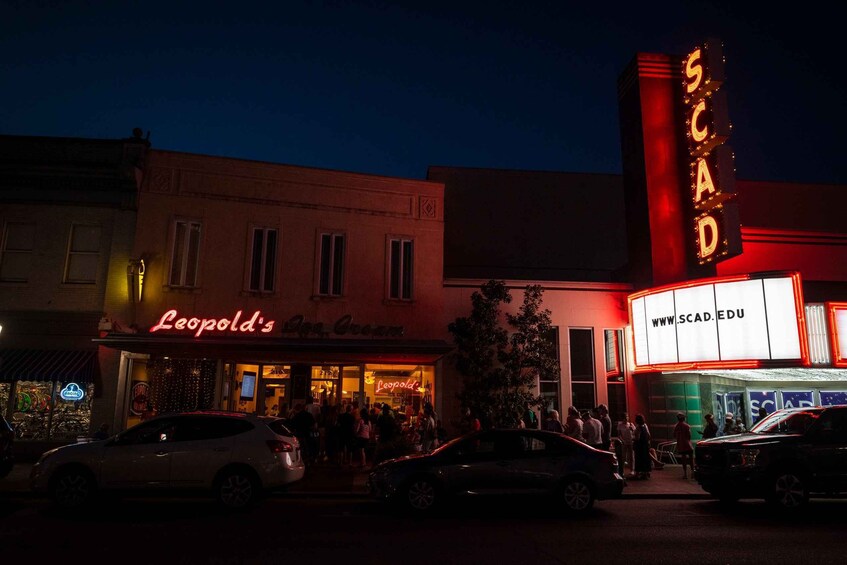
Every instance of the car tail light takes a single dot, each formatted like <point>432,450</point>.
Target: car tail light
<point>277,446</point>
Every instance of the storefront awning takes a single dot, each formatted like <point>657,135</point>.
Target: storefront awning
<point>795,374</point>
<point>73,365</point>
<point>282,349</point>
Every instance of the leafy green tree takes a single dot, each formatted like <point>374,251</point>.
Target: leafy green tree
<point>500,365</point>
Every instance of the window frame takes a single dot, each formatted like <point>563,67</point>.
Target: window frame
<point>183,272</point>
<point>66,276</point>
<point>593,381</point>
<point>405,280</point>
<point>4,250</point>
<point>263,267</point>
<point>335,282</point>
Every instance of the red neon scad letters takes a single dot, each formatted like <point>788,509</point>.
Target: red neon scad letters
<point>170,320</point>
<point>391,386</point>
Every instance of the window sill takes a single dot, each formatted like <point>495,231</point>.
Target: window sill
<point>182,289</point>
<point>327,297</point>
<point>399,302</point>
<point>258,294</point>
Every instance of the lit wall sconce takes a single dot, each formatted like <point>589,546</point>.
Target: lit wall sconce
<point>135,280</point>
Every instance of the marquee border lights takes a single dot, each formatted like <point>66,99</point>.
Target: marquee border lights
<point>839,354</point>
<point>803,360</point>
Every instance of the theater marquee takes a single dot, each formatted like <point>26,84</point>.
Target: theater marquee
<point>729,322</point>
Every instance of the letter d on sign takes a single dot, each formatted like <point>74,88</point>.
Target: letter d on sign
<point>707,235</point>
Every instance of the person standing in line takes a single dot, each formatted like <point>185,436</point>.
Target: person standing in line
<point>710,429</point>
<point>606,421</point>
<point>626,433</point>
<point>684,448</point>
<point>728,426</point>
<point>592,430</point>
<point>429,440</point>
<point>763,413</point>
<point>362,436</point>
<point>553,424</point>
<point>346,432</point>
<point>641,447</point>
<point>573,425</point>
<point>529,418</point>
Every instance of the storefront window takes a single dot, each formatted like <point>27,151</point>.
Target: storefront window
<point>181,385</point>
<point>5,388</point>
<point>31,411</point>
<point>71,411</point>
<point>350,386</point>
<point>406,388</point>
<point>245,389</point>
<point>276,382</point>
<point>325,388</point>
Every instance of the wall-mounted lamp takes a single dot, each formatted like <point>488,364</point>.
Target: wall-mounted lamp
<point>135,280</point>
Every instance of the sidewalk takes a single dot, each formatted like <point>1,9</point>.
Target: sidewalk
<point>331,481</point>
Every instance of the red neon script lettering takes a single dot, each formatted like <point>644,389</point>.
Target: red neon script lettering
<point>199,326</point>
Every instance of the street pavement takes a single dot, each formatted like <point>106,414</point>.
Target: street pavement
<point>326,480</point>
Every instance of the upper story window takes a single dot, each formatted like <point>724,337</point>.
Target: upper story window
<point>83,254</point>
<point>185,253</point>
<point>331,275</point>
<point>263,259</point>
<point>400,268</point>
<point>16,253</point>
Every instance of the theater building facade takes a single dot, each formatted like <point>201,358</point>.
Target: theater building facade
<point>261,286</point>
<point>739,285</point>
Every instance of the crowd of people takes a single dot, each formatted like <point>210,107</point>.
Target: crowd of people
<point>354,436</point>
<point>350,435</point>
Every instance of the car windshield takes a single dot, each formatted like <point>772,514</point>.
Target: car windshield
<point>786,422</point>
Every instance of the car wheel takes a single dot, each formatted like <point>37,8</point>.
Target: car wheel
<point>421,494</point>
<point>788,489</point>
<point>577,495</point>
<point>72,488</point>
<point>237,489</point>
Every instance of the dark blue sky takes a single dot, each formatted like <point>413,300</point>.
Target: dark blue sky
<point>393,87</point>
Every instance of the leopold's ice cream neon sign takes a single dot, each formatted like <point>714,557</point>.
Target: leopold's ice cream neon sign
<point>170,320</point>
<point>391,386</point>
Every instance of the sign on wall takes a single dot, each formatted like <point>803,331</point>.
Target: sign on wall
<point>717,230</point>
<point>730,322</point>
<point>838,332</point>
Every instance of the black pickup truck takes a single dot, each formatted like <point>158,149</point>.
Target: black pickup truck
<point>789,456</point>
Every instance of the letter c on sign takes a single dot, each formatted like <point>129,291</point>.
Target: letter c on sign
<point>698,134</point>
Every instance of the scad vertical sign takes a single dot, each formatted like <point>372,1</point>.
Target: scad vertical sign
<point>716,230</point>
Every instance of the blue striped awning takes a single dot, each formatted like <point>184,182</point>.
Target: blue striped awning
<point>72,365</point>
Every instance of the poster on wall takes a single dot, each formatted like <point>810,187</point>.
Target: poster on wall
<point>762,399</point>
<point>833,397</point>
<point>798,399</point>
<point>139,394</point>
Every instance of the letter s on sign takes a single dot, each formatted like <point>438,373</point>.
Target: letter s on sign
<point>693,72</point>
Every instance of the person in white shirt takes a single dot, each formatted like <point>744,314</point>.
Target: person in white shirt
<point>592,430</point>
<point>626,433</point>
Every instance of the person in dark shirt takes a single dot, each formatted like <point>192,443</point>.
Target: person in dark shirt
<point>710,429</point>
<point>606,422</point>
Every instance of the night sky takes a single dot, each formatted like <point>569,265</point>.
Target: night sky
<point>392,87</point>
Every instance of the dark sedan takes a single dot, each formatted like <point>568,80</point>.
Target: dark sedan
<point>507,461</point>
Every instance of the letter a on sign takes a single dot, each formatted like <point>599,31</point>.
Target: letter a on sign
<point>704,181</point>
<point>707,232</point>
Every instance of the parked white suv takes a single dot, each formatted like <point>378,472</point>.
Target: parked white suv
<point>233,456</point>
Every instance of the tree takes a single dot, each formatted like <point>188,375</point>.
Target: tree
<point>500,366</point>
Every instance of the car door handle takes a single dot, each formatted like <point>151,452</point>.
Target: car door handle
<point>221,449</point>
<point>161,453</point>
